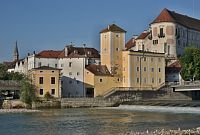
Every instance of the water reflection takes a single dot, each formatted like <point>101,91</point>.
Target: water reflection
<point>94,121</point>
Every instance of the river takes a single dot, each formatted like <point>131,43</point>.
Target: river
<point>98,121</point>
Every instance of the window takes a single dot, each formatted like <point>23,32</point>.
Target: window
<point>39,64</point>
<point>78,73</point>
<point>165,47</point>
<point>138,80</point>
<point>152,69</point>
<point>41,92</point>
<point>138,68</point>
<point>159,69</point>
<point>117,49</point>
<point>70,73</point>
<point>159,80</point>
<point>161,35</point>
<point>145,69</point>
<point>52,91</point>
<point>52,71</point>
<point>144,58</point>
<point>62,65</point>
<point>70,64</point>
<point>53,80</point>
<point>41,80</point>
<point>56,65</point>
<point>168,49</point>
<point>41,71</point>
<point>151,59</point>
<point>118,80</point>
<point>152,80</point>
<point>155,42</point>
<point>100,80</point>
<point>137,58</point>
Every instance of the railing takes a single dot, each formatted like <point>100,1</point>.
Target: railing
<point>185,83</point>
<point>9,83</point>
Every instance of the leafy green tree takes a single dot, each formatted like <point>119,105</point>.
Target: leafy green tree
<point>27,93</point>
<point>3,72</point>
<point>190,62</point>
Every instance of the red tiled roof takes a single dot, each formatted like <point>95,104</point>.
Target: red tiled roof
<point>143,35</point>
<point>113,28</point>
<point>49,54</point>
<point>131,43</point>
<point>99,70</point>
<point>176,64</point>
<point>75,52</point>
<point>171,16</point>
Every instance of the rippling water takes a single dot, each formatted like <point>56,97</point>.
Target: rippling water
<point>97,121</point>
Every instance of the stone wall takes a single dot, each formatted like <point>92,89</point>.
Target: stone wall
<point>13,104</point>
<point>46,104</point>
<point>85,102</point>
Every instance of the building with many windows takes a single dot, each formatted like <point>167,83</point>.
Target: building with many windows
<point>169,33</point>
<point>46,80</point>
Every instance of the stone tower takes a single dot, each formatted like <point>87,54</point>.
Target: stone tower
<point>112,43</point>
<point>15,53</point>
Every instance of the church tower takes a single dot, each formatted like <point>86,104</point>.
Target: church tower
<point>15,53</point>
<point>112,44</point>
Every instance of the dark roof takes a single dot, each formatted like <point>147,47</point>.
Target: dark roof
<point>99,70</point>
<point>143,35</point>
<point>113,28</point>
<point>10,65</point>
<point>131,43</point>
<point>48,54</point>
<point>45,68</point>
<point>78,52</point>
<point>171,16</point>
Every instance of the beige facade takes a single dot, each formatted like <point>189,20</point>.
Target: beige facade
<point>143,70</point>
<point>46,79</point>
<point>112,43</point>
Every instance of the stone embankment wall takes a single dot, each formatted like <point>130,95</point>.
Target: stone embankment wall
<point>13,104</point>
<point>85,102</point>
<point>46,104</point>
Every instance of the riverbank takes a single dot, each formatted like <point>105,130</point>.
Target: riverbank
<point>194,131</point>
<point>18,111</point>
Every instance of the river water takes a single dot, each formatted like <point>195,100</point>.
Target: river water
<point>98,121</point>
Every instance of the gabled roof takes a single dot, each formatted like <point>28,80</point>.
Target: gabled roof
<point>113,28</point>
<point>171,16</point>
<point>48,54</point>
<point>99,70</point>
<point>176,64</point>
<point>45,68</point>
<point>143,35</point>
<point>131,43</point>
<point>79,52</point>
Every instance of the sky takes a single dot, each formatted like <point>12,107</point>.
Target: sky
<point>52,24</point>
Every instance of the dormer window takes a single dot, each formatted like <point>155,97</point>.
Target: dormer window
<point>89,52</point>
<point>75,51</point>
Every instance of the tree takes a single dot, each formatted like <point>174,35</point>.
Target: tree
<point>190,62</point>
<point>3,72</point>
<point>27,94</point>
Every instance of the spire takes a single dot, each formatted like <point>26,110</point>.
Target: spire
<point>15,53</point>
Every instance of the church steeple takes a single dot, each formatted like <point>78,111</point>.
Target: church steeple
<point>15,53</point>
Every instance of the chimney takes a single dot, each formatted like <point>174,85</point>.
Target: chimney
<point>66,50</point>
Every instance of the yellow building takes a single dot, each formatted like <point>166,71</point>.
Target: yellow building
<point>112,43</point>
<point>143,70</point>
<point>46,79</point>
<point>131,70</point>
<point>98,80</point>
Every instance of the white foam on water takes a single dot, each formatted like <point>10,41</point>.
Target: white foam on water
<point>191,110</point>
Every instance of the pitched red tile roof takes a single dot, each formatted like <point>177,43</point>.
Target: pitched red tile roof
<point>113,28</point>
<point>78,52</point>
<point>143,35</point>
<point>48,54</point>
<point>171,16</point>
<point>99,70</point>
<point>176,64</point>
<point>131,43</point>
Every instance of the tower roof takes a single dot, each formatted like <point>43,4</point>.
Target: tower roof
<point>16,49</point>
<point>113,28</point>
<point>171,16</point>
